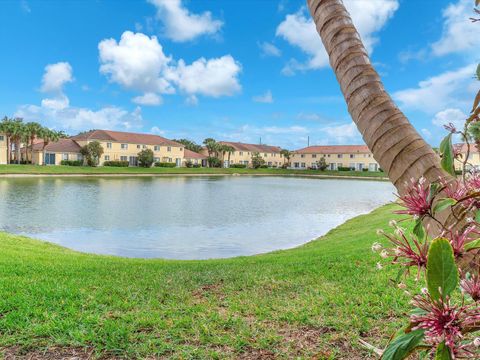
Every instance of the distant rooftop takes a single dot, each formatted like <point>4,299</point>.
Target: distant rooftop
<point>193,155</point>
<point>335,149</point>
<point>125,137</point>
<point>238,146</point>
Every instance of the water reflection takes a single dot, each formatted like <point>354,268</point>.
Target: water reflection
<point>183,217</point>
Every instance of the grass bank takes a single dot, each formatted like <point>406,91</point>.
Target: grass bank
<point>316,300</point>
<point>86,170</point>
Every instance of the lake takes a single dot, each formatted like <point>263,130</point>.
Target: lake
<point>183,217</point>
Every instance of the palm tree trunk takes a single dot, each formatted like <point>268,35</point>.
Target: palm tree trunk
<point>8,149</point>
<point>394,142</point>
<point>17,150</point>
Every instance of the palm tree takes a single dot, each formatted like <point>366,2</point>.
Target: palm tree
<point>6,127</point>
<point>394,142</point>
<point>225,148</point>
<point>48,136</point>
<point>33,130</point>
<point>287,154</point>
<point>17,135</point>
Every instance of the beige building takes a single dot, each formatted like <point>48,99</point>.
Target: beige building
<point>355,157</point>
<point>3,149</point>
<point>473,161</point>
<point>195,158</point>
<point>243,153</point>
<point>125,146</point>
<point>55,152</point>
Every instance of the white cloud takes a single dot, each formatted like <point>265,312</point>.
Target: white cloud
<point>58,103</point>
<point>369,16</point>
<point>148,99</point>
<point>25,6</point>
<point>182,25</point>
<point>268,49</point>
<point>345,133</point>
<point>449,89</point>
<point>459,33</point>
<point>76,119</point>
<point>283,130</point>
<point>135,62</point>
<point>191,100</point>
<point>56,76</point>
<point>309,116</point>
<point>447,116</point>
<point>426,133</point>
<point>156,130</point>
<point>214,77</point>
<point>266,98</point>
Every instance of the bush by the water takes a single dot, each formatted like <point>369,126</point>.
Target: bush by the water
<point>238,166</point>
<point>165,164</point>
<point>116,163</point>
<point>71,162</point>
<point>344,168</point>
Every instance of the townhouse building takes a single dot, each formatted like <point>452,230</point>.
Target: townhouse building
<point>473,160</point>
<point>355,157</point>
<point>243,153</point>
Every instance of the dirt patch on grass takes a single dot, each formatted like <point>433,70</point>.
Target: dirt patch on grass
<point>52,353</point>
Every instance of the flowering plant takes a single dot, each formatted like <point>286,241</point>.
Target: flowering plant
<point>442,249</point>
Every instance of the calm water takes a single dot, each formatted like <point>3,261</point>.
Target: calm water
<point>183,217</point>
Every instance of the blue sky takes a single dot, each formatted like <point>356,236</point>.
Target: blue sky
<point>233,70</point>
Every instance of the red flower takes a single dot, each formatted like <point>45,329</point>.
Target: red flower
<point>443,321</point>
<point>458,239</point>
<point>417,200</point>
<point>472,287</point>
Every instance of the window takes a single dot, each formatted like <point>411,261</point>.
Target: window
<point>328,155</point>
<point>269,163</point>
<point>109,145</point>
<point>314,156</point>
<point>64,156</point>
<point>107,157</point>
<point>303,165</point>
<point>181,149</point>
<point>157,159</point>
<point>302,156</point>
<point>339,156</point>
<point>123,158</point>
<point>124,147</point>
<point>169,148</point>
<point>241,153</point>
<point>297,165</point>
<point>352,156</point>
<point>138,146</point>
<point>170,160</point>
<point>2,138</point>
<point>265,155</point>
<point>156,148</point>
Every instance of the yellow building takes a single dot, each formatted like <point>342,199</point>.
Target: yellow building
<point>117,146</point>
<point>3,149</point>
<point>243,153</point>
<point>473,161</point>
<point>125,146</point>
<point>195,158</point>
<point>355,157</point>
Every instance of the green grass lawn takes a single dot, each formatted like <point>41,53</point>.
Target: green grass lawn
<point>316,300</point>
<point>32,169</point>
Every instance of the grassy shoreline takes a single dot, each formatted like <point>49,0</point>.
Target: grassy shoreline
<point>17,170</point>
<point>314,300</point>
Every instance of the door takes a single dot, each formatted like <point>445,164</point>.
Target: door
<point>133,161</point>
<point>49,159</point>
<point>178,162</point>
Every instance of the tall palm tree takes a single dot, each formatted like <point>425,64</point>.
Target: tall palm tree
<point>394,142</point>
<point>6,127</point>
<point>17,135</point>
<point>33,131</point>
<point>48,136</point>
<point>227,149</point>
<point>287,154</point>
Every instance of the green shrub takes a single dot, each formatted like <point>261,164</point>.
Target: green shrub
<point>145,158</point>
<point>71,162</point>
<point>214,162</point>
<point>365,169</point>
<point>116,163</point>
<point>188,163</point>
<point>196,165</point>
<point>263,166</point>
<point>238,166</point>
<point>343,168</point>
<point>165,164</point>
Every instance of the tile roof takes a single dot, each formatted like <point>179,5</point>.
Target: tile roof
<point>62,145</point>
<point>252,147</point>
<point>193,155</point>
<point>126,137</point>
<point>334,149</point>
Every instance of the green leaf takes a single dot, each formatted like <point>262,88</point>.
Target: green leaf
<point>442,352</point>
<point>434,188</point>
<point>446,150</point>
<point>403,345</point>
<point>442,272</point>
<point>444,204</point>
<point>478,69</point>
<point>477,216</point>
<point>475,244</point>
<point>419,230</point>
